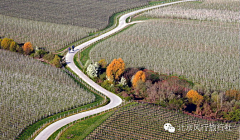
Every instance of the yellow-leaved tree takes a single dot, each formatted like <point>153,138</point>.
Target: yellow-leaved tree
<point>140,75</point>
<point>115,69</point>
<point>194,97</point>
<point>27,48</point>
<point>5,43</point>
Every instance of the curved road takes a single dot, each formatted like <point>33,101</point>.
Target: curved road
<point>114,99</point>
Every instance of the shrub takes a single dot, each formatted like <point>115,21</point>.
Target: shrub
<point>49,57</point>
<point>102,63</point>
<point>141,88</point>
<point>123,81</point>
<point>5,43</point>
<point>86,65</point>
<point>92,70</point>
<point>56,61</point>
<point>233,94</point>
<point>103,76</point>
<point>39,53</point>
<point>176,104</point>
<point>27,48</point>
<point>13,46</point>
<point>128,98</point>
<point>194,97</point>
<point>19,49</point>
<point>214,96</point>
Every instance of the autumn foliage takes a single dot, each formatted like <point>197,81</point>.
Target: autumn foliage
<point>27,48</point>
<point>140,75</point>
<point>5,43</point>
<point>233,94</point>
<point>115,69</point>
<point>194,97</point>
<point>102,63</point>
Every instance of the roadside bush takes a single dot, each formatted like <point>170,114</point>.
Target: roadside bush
<point>56,61</point>
<point>128,98</point>
<point>40,53</point>
<point>49,57</point>
<point>92,70</point>
<point>103,76</point>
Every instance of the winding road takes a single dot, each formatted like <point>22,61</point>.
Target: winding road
<point>114,99</point>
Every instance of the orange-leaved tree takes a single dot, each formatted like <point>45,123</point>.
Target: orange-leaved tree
<point>27,48</point>
<point>115,69</point>
<point>140,75</point>
<point>194,97</point>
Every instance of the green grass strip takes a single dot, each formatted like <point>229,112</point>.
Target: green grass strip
<point>83,128</point>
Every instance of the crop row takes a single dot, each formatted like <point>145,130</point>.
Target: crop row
<point>31,91</point>
<point>143,121</point>
<point>84,13</point>
<point>50,36</point>
<point>221,10</point>
<point>205,52</point>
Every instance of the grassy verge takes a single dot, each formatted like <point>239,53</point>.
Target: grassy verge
<point>82,128</point>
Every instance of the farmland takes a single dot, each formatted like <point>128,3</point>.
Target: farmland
<point>144,121</point>
<point>205,52</point>
<point>54,25</point>
<point>84,13</point>
<point>200,51</point>
<point>50,36</point>
<point>214,10</point>
<point>31,90</point>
